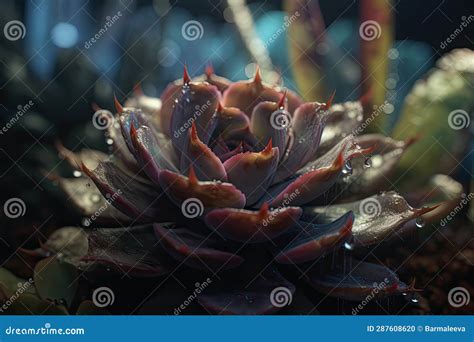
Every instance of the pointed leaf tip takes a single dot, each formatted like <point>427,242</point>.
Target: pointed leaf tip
<point>118,106</point>
<point>268,149</point>
<point>192,178</point>
<point>186,78</point>
<point>137,89</point>
<point>263,209</point>
<point>209,71</point>
<point>193,132</point>
<point>257,79</point>
<point>219,107</point>
<point>328,104</point>
<point>281,103</point>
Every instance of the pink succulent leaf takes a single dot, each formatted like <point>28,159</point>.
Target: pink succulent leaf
<point>198,155</point>
<point>313,241</point>
<point>307,126</point>
<point>355,280</point>
<point>195,250</point>
<point>197,104</point>
<point>153,151</point>
<point>252,226</point>
<point>258,296</point>
<point>265,125</point>
<point>248,94</point>
<point>132,251</point>
<point>211,194</point>
<point>261,165</point>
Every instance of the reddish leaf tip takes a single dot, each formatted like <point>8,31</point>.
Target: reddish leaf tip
<point>193,132</point>
<point>209,71</point>
<point>192,178</point>
<point>281,103</point>
<point>257,79</point>
<point>263,212</point>
<point>118,106</point>
<point>137,89</point>
<point>268,149</point>
<point>219,107</point>
<point>328,104</point>
<point>186,78</point>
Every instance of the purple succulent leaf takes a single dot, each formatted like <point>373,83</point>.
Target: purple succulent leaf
<point>168,98</point>
<point>153,151</point>
<point>246,95</point>
<point>343,119</point>
<point>308,186</point>
<point>371,174</point>
<point>355,280</point>
<point>229,120</point>
<point>87,200</point>
<point>252,226</point>
<point>265,125</point>
<point>265,294</point>
<point>315,240</point>
<point>133,251</point>
<point>260,165</point>
<point>131,117</point>
<point>376,217</point>
<point>119,146</point>
<point>132,196</point>
<point>306,129</point>
<point>206,164</point>
<point>197,104</point>
<point>195,250</point>
<point>210,194</point>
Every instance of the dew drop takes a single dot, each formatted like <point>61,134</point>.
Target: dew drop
<point>77,173</point>
<point>347,170</point>
<point>109,141</point>
<point>420,222</point>
<point>404,294</point>
<point>95,198</point>
<point>348,246</point>
<point>414,300</point>
<point>367,162</point>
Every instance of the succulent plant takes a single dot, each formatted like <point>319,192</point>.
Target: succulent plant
<point>243,182</point>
